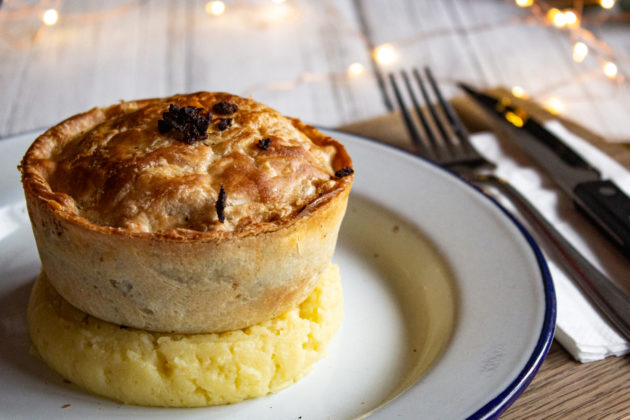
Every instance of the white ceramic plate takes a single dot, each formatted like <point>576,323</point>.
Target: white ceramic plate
<point>449,306</point>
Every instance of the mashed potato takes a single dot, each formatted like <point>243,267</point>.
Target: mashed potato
<point>184,370</point>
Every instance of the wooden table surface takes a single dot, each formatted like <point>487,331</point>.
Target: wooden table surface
<point>295,57</point>
<point>566,389</point>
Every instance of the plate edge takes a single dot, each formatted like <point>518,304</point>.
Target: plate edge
<point>497,405</point>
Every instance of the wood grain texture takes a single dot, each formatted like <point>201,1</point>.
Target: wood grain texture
<point>566,389</point>
<point>296,64</point>
<point>297,61</point>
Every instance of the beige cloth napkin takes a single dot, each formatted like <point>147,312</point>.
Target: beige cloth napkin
<point>580,328</point>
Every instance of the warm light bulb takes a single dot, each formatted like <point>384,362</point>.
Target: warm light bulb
<point>559,20</point>
<point>610,69</point>
<point>519,92</point>
<point>356,69</point>
<point>580,51</point>
<point>385,54</point>
<point>524,3</point>
<point>570,18</point>
<point>215,8</point>
<point>551,13</point>
<point>50,17</point>
<point>607,4</point>
<point>557,17</point>
<point>554,105</point>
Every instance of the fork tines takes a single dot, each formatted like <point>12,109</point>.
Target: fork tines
<point>441,135</point>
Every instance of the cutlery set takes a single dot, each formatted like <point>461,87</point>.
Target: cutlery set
<point>601,201</point>
<point>444,140</point>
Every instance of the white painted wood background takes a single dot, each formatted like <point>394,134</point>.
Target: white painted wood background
<point>297,63</point>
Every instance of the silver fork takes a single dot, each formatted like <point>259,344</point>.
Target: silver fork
<point>448,145</point>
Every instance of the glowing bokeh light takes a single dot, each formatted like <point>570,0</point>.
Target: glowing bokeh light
<point>524,3</point>
<point>571,18</point>
<point>50,17</point>
<point>519,92</point>
<point>216,8</point>
<point>356,69</point>
<point>580,51</point>
<point>385,54</point>
<point>610,69</point>
<point>554,105</point>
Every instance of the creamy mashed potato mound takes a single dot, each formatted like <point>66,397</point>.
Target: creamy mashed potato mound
<point>184,370</point>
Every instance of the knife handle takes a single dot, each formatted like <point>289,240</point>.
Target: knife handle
<point>609,207</point>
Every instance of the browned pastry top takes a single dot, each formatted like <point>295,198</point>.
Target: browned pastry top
<point>117,169</point>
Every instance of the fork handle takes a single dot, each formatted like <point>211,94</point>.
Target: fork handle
<point>613,302</point>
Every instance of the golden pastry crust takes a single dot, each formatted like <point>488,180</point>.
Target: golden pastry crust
<point>126,225</point>
<point>117,170</point>
<point>175,370</point>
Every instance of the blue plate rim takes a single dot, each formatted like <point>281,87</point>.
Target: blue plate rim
<point>497,405</point>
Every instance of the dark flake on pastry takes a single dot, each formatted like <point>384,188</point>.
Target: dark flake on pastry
<point>190,123</point>
<point>224,123</point>
<point>344,172</point>
<point>264,143</point>
<point>225,108</point>
<point>220,205</point>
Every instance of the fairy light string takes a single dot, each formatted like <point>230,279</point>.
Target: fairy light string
<point>570,21</point>
<point>584,42</point>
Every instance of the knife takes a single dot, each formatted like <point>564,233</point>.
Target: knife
<point>603,202</point>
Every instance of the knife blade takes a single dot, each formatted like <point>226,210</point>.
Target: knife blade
<point>600,200</point>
